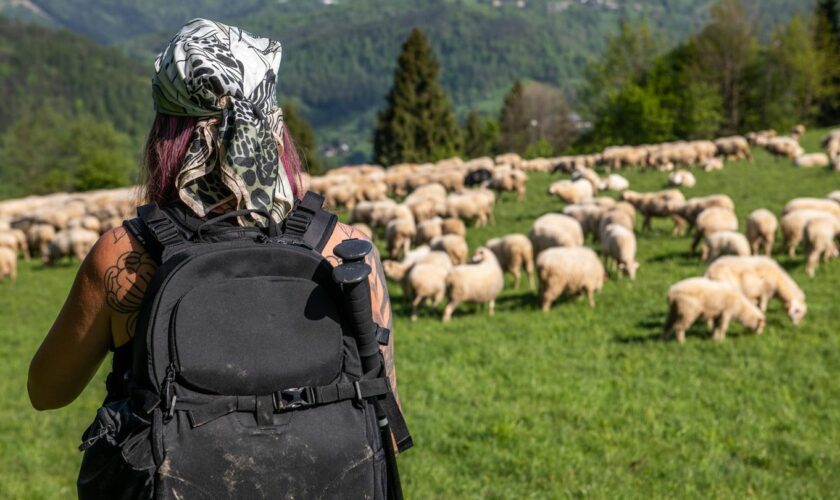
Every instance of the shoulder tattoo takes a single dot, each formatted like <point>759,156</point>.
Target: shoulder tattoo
<point>125,285</point>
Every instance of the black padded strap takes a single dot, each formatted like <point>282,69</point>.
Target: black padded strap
<point>309,223</point>
<point>156,231</point>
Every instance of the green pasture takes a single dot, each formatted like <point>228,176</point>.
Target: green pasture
<point>578,402</point>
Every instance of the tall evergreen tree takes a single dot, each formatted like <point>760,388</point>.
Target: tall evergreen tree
<point>827,42</point>
<point>304,139</point>
<point>418,123</point>
<point>513,123</point>
<point>480,135</point>
<point>535,113</point>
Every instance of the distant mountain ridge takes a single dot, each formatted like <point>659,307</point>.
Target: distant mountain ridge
<point>339,54</point>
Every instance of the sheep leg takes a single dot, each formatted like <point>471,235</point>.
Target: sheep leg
<point>646,224</point>
<point>415,304</point>
<point>684,319</point>
<point>719,333</point>
<point>679,225</point>
<point>438,299</point>
<point>762,302</point>
<point>529,268</point>
<point>704,252</point>
<point>447,312</point>
<point>811,262</point>
<point>590,294</point>
<point>548,298</point>
<point>697,237</point>
<point>491,307</point>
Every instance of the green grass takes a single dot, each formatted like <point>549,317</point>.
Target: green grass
<point>577,402</point>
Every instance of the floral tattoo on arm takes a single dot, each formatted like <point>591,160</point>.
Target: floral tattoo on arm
<point>125,285</point>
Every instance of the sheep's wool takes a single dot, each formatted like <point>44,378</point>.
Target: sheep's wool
<point>226,77</point>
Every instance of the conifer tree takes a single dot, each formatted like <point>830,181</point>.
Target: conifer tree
<point>827,42</point>
<point>513,123</point>
<point>480,136</point>
<point>418,123</point>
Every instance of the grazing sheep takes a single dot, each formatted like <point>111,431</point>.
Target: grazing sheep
<point>811,160</point>
<point>472,204</point>
<point>618,244</point>
<point>615,182</point>
<point>822,204</point>
<point>655,204</point>
<point>8,264</point>
<point>819,242</point>
<point>588,175</point>
<point>454,225</point>
<point>480,281</point>
<point>611,217</point>
<point>10,240</point>
<point>569,269</point>
<point>514,251</point>
<point>572,191</point>
<point>761,230</point>
<point>396,270</point>
<point>735,147</point>
<point>682,178</point>
<point>712,220</point>
<point>39,237</point>
<point>834,196</point>
<point>508,179</point>
<point>831,143</point>
<point>73,242</point>
<point>426,280</point>
<point>760,278</point>
<point>477,177</point>
<point>454,245</point>
<point>784,146</point>
<point>712,164</point>
<point>398,234</point>
<point>724,243</point>
<point>555,230</point>
<point>793,226</point>
<point>428,230</point>
<point>688,210</point>
<point>715,301</point>
<point>88,222</point>
<point>587,216</point>
<point>797,131</point>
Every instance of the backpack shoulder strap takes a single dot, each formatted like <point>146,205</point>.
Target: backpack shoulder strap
<point>309,222</point>
<point>156,231</point>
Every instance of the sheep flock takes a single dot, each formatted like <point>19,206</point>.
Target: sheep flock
<point>420,214</point>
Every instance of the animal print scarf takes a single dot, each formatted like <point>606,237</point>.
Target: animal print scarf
<point>226,78</point>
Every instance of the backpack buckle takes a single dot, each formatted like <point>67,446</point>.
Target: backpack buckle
<point>294,397</point>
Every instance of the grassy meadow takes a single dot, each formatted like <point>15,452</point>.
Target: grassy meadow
<point>578,402</point>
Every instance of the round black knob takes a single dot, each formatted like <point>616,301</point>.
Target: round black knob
<point>353,250</point>
<point>350,273</point>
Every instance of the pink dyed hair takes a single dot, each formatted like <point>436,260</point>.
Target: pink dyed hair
<point>167,145</point>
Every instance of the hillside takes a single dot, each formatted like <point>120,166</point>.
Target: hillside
<point>339,54</point>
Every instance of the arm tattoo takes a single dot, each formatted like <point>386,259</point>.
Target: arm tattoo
<point>125,285</point>
<point>382,314</point>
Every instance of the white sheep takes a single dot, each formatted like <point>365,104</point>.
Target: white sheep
<point>427,230</point>
<point>398,234</point>
<point>481,281</point>
<point>682,178</point>
<point>514,251</point>
<point>761,278</point>
<point>426,280</point>
<point>615,182</point>
<point>712,220</point>
<point>715,301</point>
<point>793,226</point>
<point>454,245</point>
<point>454,225</point>
<point>73,242</point>
<point>712,164</point>
<point>555,230</point>
<point>823,204</point>
<point>569,269</point>
<point>8,264</point>
<point>618,245</point>
<point>819,242</point>
<point>761,230</point>
<point>724,243</point>
<point>572,191</point>
<point>811,160</point>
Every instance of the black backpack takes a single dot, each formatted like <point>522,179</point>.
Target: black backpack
<point>256,370</point>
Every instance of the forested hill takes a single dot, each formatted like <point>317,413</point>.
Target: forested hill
<point>339,54</point>
<point>72,75</point>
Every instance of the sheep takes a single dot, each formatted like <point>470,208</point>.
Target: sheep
<point>454,225</point>
<point>831,143</point>
<point>819,242</point>
<point>793,226</point>
<point>88,222</point>
<point>555,230</point>
<point>811,160</point>
<point>797,131</point>
<point>689,209</point>
<point>615,182</point>
<point>474,204</point>
<point>569,269</point>
<point>426,280</point>
<point>761,230</point>
<point>72,242</point>
<point>396,270</point>
<point>834,196</point>
<point>454,245</point>
<point>572,191</point>
<point>717,302</point>
<point>761,278</point>
<point>11,240</point>
<point>712,164</point>
<point>22,242</point>
<point>587,216</point>
<point>712,220</point>
<point>682,178</point>
<point>508,179</point>
<point>8,264</point>
<point>477,177</point>
<point>39,237</point>
<point>588,175</point>
<point>734,147</point>
<point>655,204</point>
<point>610,217</point>
<point>480,281</point>
<point>428,230</point>
<point>514,251</point>
<point>785,146</point>
<point>724,243</point>
<point>371,212</point>
<point>822,204</point>
<point>619,245</point>
<point>398,234</point>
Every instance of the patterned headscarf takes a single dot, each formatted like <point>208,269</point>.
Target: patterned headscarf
<point>226,78</point>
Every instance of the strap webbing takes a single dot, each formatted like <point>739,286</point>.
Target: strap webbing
<point>156,231</point>
<point>309,223</point>
<point>208,408</point>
